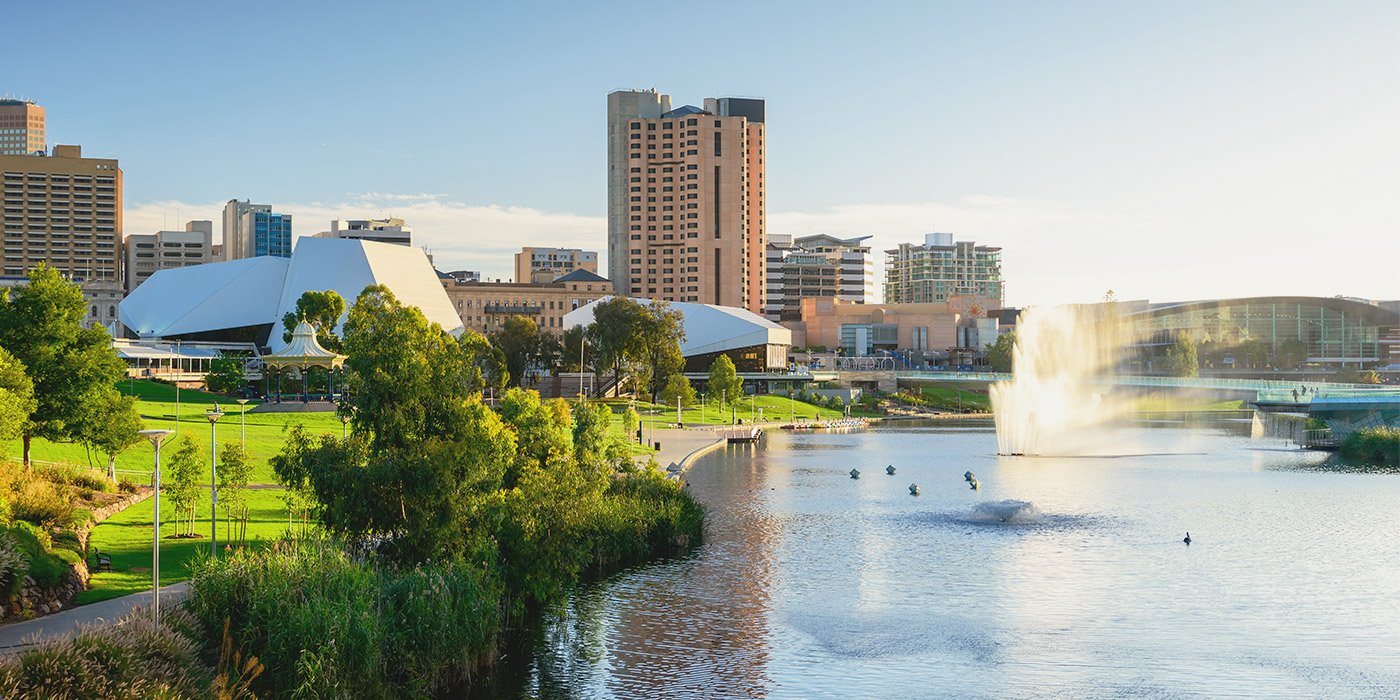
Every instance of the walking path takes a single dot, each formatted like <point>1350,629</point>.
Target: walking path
<point>15,636</point>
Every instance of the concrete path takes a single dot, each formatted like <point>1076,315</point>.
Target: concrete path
<point>15,636</point>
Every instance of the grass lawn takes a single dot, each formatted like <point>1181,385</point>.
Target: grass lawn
<point>126,536</point>
<point>947,396</point>
<point>775,408</point>
<point>1171,402</point>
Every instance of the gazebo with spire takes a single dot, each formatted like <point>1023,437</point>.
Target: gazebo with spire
<point>303,353</point>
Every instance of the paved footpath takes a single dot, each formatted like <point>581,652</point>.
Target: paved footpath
<point>14,637</point>
<point>682,446</point>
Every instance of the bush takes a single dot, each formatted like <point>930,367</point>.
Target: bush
<point>33,537</point>
<point>67,539</point>
<point>14,562</point>
<point>92,482</point>
<point>6,517</point>
<point>126,660</point>
<point>1374,445</point>
<point>43,503</point>
<point>126,486</point>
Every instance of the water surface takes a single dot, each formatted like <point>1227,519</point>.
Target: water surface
<point>813,585</point>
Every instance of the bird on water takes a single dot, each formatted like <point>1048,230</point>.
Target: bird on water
<point>1188,539</point>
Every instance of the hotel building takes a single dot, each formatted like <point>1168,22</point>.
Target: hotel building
<point>65,211</point>
<point>254,230</point>
<point>21,128</point>
<point>686,199</point>
<point>941,269</point>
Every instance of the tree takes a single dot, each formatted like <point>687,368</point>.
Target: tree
<point>1252,351</point>
<point>320,309</point>
<point>112,426</point>
<point>225,374</point>
<point>1000,353</point>
<point>723,380</point>
<point>630,421</point>
<point>70,366</point>
<point>660,332</point>
<point>186,466</point>
<point>1291,353</point>
<point>542,428</point>
<point>1181,358</point>
<point>678,387</point>
<point>572,347</point>
<point>591,421</point>
<point>16,396</point>
<point>519,341</point>
<point>235,469</point>
<point>614,334</point>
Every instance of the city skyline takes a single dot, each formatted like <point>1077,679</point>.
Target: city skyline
<point>1243,149</point>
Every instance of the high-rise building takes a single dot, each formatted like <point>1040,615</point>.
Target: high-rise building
<point>21,128</point>
<point>543,265</point>
<point>66,211</point>
<point>391,230</point>
<point>253,230</point>
<point>815,266</point>
<point>146,253</point>
<point>685,199</point>
<point>940,269</point>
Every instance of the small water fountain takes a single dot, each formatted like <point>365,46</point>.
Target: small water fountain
<point>1051,407</point>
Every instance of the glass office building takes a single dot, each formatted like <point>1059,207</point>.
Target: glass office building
<point>271,234</point>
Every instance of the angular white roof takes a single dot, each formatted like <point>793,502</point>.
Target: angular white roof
<point>708,328</point>
<point>257,291</point>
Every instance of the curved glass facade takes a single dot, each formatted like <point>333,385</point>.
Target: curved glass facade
<point>1335,330</point>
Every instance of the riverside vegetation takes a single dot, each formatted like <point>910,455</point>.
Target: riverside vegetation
<point>1380,446</point>
<point>443,525</point>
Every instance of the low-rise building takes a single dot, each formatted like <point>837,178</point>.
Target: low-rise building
<point>863,330</point>
<point>812,267</point>
<point>391,230</point>
<point>146,253</point>
<point>549,264</point>
<point>485,306</point>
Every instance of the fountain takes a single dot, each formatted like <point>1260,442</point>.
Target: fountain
<point>1052,407</point>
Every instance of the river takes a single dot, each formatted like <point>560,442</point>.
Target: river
<point>811,584</point>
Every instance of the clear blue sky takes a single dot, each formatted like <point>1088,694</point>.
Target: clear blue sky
<point>1164,150</point>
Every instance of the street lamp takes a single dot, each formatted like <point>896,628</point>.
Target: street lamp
<point>155,436</point>
<point>241,417</point>
<point>213,417</point>
<point>345,417</point>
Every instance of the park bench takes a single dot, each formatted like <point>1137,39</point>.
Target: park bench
<point>101,562</point>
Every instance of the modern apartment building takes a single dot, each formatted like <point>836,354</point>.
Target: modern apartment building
<point>253,230</point>
<point>942,269</point>
<point>485,306</point>
<point>549,264</point>
<point>65,211</point>
<point>391,230</point>
<point>21,128</point>
<point>815,266</point>
<point>147,253</point>
<point>686,199</point>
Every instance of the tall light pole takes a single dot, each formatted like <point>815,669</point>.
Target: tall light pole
<point>242,413</point>
<point>213,417</point>
<point>155,436</point>
<point>177,384</point>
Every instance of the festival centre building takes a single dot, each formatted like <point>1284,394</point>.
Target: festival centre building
<point>244,300</point>
<point>751,341</point>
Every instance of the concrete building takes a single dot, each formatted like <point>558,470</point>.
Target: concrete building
<point>686,205</point>
<point>391,230</point>
<point>941,269</point>
<point>815,266</point>
<point>923,332</point>
<point>252,230</point>
<point>244,300</point>
<point>21,128</point>
<point>485,306</point>
<point>549,264</point>
<point>65,211</point>
<point>146,253</point>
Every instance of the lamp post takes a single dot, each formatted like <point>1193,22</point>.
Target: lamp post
<point>242,413</point>
<point>155,436</point>
<point>213,417</point>
<point>176,375</point>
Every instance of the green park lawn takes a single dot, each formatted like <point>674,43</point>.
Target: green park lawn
<point>947,396</point>
<point>774,408</point>
<point>1171,403</point>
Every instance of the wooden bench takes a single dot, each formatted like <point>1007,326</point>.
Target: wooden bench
<point>101,562</point>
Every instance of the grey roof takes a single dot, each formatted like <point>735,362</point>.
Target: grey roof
<point>682,111</point>
<point>580,275</point>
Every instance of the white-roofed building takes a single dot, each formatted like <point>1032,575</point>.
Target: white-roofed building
<point>754,343</point>
<point>244,300</point>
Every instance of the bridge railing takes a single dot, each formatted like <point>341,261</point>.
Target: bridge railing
<point>1326,388</point>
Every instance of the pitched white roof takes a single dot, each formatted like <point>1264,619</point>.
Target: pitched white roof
<point>257,291</point>
<point>708,328</point>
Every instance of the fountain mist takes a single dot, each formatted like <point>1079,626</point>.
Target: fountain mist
<point>1052,406</point>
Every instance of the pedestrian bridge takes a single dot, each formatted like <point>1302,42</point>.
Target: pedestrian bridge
<point>1272,388</point>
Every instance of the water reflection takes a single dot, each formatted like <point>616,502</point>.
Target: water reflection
<point>813,585</point>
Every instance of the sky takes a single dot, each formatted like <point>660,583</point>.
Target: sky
<point>1165,151</point>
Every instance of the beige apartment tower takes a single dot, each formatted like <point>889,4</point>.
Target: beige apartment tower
<point>21,128</point>
<point>66,211</point>
<point>685,199</point>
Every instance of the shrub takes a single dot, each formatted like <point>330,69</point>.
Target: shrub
<point>35,538</point>
<point>1375,445</point>
<point>42,503</point>
<point>126,486</point>
<point>80,517</point>
<point>67,539</point>
<point>5,516</point>
<point>126,660</point>
<point>92,482</point>
<point>14,562</point>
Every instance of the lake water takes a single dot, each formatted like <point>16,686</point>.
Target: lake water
<point>813,585</point>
